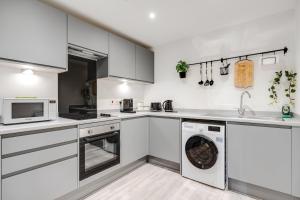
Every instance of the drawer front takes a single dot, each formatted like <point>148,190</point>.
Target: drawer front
<point>46,183</point>
<point>37,140</point>
<point>17,164</point>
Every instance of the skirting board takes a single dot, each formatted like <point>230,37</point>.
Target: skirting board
<point>257,192</point>
<point>94,186</point>
<point>164,163</point>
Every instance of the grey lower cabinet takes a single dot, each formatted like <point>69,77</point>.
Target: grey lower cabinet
<point>121,60</point>
<point>86,35</point>
<point>33,32</point>
<point>144,64</point>
<point>164,138</point>
<point>296,162</point>
<point>134,139</point>
<point>40,164</point>
<point>260,156</point>
<point>47,183</point>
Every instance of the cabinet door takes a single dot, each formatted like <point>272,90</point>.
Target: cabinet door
<point>83,34</point>
<point>47,183</point>
<point>144,64</point>
<point>296,162</point>
<point>260,156</point>
<point>164,138</point>
<point>134,139</point>
<point>33,32</point>
<point>121,57</point>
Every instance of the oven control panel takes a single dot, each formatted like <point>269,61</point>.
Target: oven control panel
<point>98,130</point>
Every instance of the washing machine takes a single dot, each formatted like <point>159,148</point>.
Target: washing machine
<point>203,153</point>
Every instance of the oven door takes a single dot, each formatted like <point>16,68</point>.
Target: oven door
<point>25,110</point>
<point>98,153</point>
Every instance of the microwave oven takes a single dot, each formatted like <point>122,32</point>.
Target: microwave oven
<point>24,110</point>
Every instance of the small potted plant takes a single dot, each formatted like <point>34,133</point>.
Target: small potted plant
<point>182,67</point>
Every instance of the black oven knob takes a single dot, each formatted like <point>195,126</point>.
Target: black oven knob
<point>90,132</point>
<point>112,127</point>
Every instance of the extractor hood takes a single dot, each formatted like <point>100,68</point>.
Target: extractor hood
<point>85,53</point>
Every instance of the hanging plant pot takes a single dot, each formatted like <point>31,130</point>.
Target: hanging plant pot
<point>182,67</point>
<point>182,74</point>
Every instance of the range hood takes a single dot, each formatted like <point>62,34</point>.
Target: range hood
<point>85,53</point>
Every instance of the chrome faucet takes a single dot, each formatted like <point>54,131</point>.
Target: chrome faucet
<point>242,108</point>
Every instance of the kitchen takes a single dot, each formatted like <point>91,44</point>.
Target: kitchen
<point>159,107</point>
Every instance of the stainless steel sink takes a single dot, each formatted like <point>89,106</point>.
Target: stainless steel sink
<point>246,116</point>
<point>262,117</point>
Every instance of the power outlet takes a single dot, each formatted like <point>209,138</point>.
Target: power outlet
<point>115,102</point>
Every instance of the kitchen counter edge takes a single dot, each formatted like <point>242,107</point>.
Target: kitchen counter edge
<point>61,122</point>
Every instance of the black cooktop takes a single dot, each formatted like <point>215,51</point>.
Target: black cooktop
<point>78,116</point>
<point>81,116</point>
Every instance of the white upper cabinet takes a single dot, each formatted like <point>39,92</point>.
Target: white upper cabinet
<point>33,32</point>
<point>144,64</point>
<point>121,60</point>
<point>127,60</point>
<point>86,35</point>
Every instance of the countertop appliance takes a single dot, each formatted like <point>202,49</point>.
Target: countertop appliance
<point>77,87</point>
<point>99,148</point>
<point>24,110</point>
<point>126,106</point>
<point>155,107</point>
<point>203,153</point>
<point>167,105</point>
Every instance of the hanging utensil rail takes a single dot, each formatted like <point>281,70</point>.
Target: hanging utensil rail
<point>285,50</point>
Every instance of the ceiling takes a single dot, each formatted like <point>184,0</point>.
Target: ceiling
<point>175,19</point>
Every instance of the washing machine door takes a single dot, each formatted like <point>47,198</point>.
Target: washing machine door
<point>201,151</point>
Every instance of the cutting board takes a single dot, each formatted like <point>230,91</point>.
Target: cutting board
<point>243,74</point>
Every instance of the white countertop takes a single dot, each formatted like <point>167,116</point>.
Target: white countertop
<point>61,122</point>
<point>221,117</point>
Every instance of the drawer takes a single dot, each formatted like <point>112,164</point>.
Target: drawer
<point>17,164</point>
<point>46,183</point>
<point>32,140</point>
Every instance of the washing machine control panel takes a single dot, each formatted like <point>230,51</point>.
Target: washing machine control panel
<point>214,128</point>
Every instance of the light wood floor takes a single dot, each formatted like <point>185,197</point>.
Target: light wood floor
<point>150,182</point>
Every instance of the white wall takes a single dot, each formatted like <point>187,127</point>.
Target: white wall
<point>297,55</point>
<point>268,33</point>
<point>110,92</point>
<point>14,84</point>
<point>45,85</point>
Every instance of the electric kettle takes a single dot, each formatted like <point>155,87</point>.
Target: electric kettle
<point>167,106</point>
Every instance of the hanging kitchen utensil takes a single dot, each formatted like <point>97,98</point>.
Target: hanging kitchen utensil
<point>201,81</point>
<point>207,81</point>
<point>244,73</point>
<point>211,74</point>
<point>225,69</point>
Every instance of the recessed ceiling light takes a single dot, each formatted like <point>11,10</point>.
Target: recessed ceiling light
<point>152,15</point>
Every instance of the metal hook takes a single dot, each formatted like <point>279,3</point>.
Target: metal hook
<point>285,50</point>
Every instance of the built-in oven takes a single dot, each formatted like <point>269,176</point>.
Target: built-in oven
<point>99,149</point>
